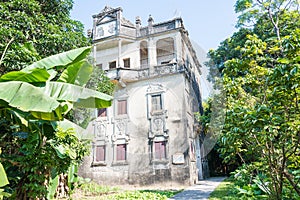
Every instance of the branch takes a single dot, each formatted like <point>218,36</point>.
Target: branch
<point>12,162</point>
<point>238,153</point>
<point>260,2</point>
<point>275,24</point>
<point>293,151</point>
<point>4,52</point>
<point>287,5</point>
<point>290,178</point>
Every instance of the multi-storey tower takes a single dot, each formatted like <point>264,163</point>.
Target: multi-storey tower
<point>149,134</point>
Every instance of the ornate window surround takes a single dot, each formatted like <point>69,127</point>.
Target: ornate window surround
<point>94,146</point>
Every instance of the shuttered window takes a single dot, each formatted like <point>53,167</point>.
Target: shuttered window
<point>100,153</point>
<point>160,150</point>
<point>122,107</point>
<point>121,152</point>
<point>156,102</point>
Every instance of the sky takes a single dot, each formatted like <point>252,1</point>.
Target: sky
<point>208,21</point>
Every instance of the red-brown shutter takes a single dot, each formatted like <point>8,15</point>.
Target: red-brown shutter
<point>160,150</point>
<point>122,107</point>
<point>100,153</point>
<point>121,152</point>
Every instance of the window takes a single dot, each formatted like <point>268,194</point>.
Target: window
<point>126,62</point>
<point>102,112</point>
<point>122,107</point>
<point>112,65</point>
<point>100,153</point>
<point>121,152</point>
<point>156,102</point>
<point>99,66</point>
<point>160,150</point>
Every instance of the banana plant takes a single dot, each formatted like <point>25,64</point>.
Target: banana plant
<point>37,99</point>
<point>34,89</point>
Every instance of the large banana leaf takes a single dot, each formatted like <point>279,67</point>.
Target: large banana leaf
<point>80,96</point>
<point>3,177</point>
<point>35,75</point>
<point>78,73</point>
<point>26,97</point>
<point>60,60</point>
<point>53,183</point>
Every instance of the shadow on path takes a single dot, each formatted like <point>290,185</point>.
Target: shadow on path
<point>201,190</point>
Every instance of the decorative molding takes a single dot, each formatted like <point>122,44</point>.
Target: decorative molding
<point>158,126</point>
<point>101,131</point>
<point>144,73</point>
<point>121,94</point>
<point>120,130</point>
<point>165,69</point>
<point>155,88</point>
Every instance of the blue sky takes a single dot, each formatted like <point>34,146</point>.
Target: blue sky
<point>208,21</point>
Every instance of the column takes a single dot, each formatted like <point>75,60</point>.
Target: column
<point>119,53</point>
<point>152,60</point>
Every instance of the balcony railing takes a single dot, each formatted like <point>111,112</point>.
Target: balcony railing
<point>131,75</point>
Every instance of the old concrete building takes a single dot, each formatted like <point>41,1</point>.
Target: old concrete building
<point>149,135</point>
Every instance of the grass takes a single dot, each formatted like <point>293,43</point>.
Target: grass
<point>93,191</point>
<point>145,194</point>
<point>167,193</point>
<point>224,191</point>
<point>92,188</point>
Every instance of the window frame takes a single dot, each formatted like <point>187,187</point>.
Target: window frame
<point>123,151</point>
<point>125,62</point>
<point>159,154</point>
<point>121,112</point>
<point>104,148</point>
<point>160,104</point>
<point>112,65</point>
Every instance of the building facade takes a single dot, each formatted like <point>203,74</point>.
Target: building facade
<point>149,134</point>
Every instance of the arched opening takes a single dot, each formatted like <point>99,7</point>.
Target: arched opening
<point>164,50</point>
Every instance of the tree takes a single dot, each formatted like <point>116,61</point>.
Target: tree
<point>37,142</point>
<point>261,77</point>
<point>36,29</point>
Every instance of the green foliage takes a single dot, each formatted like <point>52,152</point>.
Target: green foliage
<point>3,181</point>
<point>138,195</point>
<point>35,148</point>
<point>228,49</point>
<point>89,189</point>
<point>39,29</point>
<point>92,188</point>
<point>261,79</point>
<point>100,82</point>
<point>225,190</point>
<point>167,193</point>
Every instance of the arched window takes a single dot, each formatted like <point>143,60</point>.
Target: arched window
<point>144,54</point>
<point>165,50</point>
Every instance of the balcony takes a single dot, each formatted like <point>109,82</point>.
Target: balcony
<point>131,75</point>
